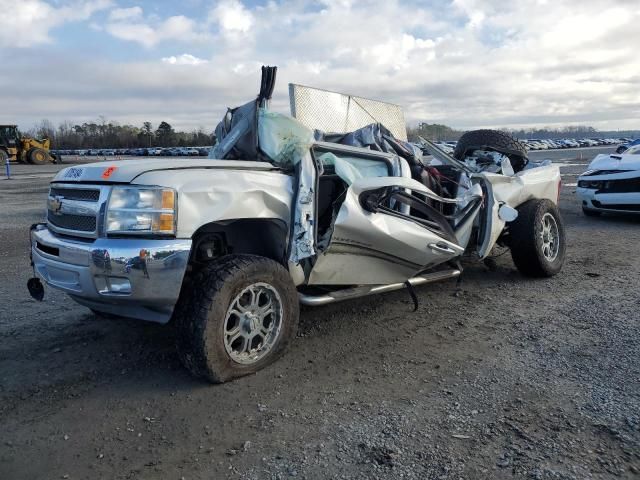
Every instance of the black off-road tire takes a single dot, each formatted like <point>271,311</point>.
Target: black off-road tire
<point>200,315</point>
<point>591,213</point>
<point>526,241</point>
<point>38,156</point>
<point>492,140</point>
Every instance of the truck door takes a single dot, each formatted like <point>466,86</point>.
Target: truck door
<point>376,240</point>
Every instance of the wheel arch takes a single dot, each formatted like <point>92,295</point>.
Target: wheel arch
<point>266,237</point>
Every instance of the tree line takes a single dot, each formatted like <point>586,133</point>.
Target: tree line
<point>437,132</point>
<point>107,134</point>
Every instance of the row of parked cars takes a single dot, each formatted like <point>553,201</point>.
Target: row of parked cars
<point>449,147</point>
<point>139,152</point>
<point>547,144</point>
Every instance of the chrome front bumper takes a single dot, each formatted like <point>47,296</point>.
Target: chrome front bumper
<point>137,278</point>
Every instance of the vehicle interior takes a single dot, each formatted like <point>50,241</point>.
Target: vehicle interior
<point>340,167</point>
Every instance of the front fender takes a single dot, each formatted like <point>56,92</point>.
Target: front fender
<point>207,195</point>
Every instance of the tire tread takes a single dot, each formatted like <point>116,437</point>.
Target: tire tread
<point>522,239</point>
<point>196,304</point>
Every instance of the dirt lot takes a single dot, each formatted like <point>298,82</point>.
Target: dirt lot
<point>505,378</point>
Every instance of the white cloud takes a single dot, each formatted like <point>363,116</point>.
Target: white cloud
<point>125,13</point>
<point>175,28</point>
<point>232,16</point>
<point>184,59</point>
<point>27,22</point>
<point>483,63</point>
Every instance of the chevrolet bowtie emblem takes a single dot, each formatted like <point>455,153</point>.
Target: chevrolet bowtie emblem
<point>55,205</point>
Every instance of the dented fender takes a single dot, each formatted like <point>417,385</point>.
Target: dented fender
<point>212,195</point>
<point>534,183</point>
<point>513,191</point>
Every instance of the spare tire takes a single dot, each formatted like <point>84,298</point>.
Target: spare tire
<point>495,141</point>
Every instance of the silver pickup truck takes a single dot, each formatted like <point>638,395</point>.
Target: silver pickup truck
<point>228,246</point>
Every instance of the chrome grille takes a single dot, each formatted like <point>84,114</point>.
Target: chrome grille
<point>73,222</point>
<point>75,209</point>
<point>87,194</point>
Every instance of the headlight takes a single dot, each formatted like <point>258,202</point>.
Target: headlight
<point>142,210</point>
<point>594,184</point>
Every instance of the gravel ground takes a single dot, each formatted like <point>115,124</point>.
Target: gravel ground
<point>505,377</point>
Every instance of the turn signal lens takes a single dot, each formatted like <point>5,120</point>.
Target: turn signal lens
<point>168,199</point>
<point>166,222</point>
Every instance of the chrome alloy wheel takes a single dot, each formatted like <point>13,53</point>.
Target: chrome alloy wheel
<point>550,237</point>
<point>253,323</point>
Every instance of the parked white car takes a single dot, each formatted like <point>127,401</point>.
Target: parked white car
<point>611,184</point>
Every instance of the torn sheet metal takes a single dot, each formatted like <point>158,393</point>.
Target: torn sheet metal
<point>236,134</point>
<point>288,144</point>
<point>374,248</point>
<point>529,184</point>
<point>304,221</point>
<point>376,137</point>
<point>443,156</point>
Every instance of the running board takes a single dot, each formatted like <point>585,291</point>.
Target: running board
<point>348,293</point>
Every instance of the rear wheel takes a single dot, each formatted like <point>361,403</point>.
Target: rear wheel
<point>537,239</point>
<point>239,316</point>
<point>38,156</point>
<point>492,140</point>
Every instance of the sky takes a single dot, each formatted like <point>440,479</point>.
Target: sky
<point>463,63</point>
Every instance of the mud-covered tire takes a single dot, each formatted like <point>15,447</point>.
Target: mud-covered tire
<point>492,140</point>
<point>38,156</point>
<point>527,239</point>
<point>203,316</point>
<point>591,213</point>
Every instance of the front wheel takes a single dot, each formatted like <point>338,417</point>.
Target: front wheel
<point>537,239</point>
<point>38,156</point>
<point>239,315</point>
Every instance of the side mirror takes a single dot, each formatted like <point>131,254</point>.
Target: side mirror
<point>507,213</point>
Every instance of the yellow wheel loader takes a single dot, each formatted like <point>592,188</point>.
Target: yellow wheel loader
<point>24,149</point>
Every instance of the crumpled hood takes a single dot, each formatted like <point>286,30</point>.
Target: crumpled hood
<point>125,171</point>
<point>615,162</point>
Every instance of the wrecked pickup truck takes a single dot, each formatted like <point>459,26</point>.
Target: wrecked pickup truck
<point>228,247</point>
